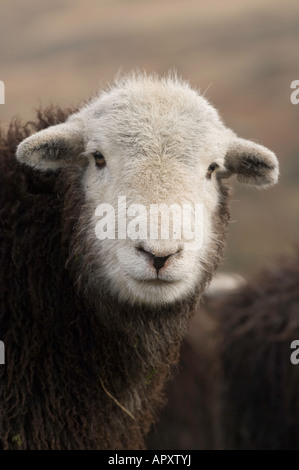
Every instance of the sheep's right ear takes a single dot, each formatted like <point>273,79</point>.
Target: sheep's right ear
<point>52,148</point>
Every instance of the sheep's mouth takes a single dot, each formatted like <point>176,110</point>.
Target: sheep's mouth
<point>156,282</point>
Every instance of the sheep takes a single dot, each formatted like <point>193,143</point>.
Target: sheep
<point>238,372</point>
<point>92,326</point>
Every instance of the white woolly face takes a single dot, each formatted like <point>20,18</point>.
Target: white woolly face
<point>147,142</point>
<point>158,149</point>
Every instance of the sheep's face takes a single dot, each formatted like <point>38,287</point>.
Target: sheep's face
<point>152,154</point>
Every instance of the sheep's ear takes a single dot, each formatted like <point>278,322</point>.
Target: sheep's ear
<point>253,164</point>
<point>52,148</point>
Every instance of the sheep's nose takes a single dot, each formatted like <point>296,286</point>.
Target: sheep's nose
<point>157,261</point>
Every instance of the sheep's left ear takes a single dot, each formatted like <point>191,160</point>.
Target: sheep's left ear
<point>56,147</point>
<point>253,164</point>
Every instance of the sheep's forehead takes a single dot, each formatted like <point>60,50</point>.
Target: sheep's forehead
<point>154,116</point>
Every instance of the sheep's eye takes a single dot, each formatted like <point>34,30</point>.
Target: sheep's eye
<point>99,159</point>
<point>211,170</point>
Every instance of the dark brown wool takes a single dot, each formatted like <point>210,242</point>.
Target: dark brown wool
<point>70,346</point>
<point>237,388</point>
<point>259,392</point>
<point>189,420</point>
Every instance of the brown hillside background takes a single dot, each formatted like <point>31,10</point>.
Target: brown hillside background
<point>245,54</point>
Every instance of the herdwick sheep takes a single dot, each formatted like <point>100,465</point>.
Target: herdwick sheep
<point>92,326</point>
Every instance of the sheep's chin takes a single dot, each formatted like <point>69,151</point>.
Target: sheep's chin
<point>155,292</point>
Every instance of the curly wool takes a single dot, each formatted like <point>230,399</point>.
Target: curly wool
<point>66,355</point>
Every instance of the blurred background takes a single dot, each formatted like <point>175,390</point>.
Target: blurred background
<point>243,55</point>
